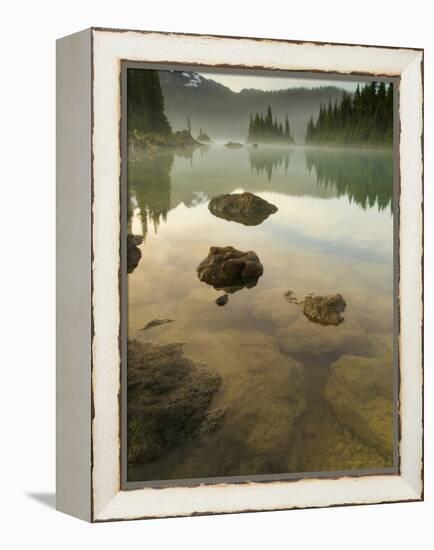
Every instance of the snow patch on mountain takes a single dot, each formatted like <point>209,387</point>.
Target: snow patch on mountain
<point>194,80</point>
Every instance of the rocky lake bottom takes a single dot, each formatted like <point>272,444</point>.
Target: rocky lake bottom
<point>264,381</point>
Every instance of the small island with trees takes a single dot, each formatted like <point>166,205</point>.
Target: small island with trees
<point>203,137</point>
<point>267,129</point>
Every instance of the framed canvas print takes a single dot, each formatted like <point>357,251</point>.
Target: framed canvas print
<point>239,267</point>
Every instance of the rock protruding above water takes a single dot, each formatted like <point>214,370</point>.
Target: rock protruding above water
<point>360,392</point>
<point>325,310</point>
<point>245,208</point>
<point>222,300</point>
<point>229,269</point>
<point>168,399</point>
<point>233,145</point>
<point>133,251</point>
<point>296,334</point>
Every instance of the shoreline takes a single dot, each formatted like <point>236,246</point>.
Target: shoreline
<point>348,146</point>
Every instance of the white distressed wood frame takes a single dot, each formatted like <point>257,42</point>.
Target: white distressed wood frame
<point>89,475</point>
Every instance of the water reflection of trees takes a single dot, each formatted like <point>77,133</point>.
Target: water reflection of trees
<point>366,177</point>
<point>149,182</point>
<point>265,160</point>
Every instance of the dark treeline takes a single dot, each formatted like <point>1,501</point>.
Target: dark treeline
<point>364,177</point>
<point>365,117</point>
<point>268,129</point>
<point>145,103</point>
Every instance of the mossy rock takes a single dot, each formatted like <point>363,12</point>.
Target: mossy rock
<point>168,397</point>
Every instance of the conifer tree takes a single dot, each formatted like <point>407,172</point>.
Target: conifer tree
<point>287,130</point>
<point>265,128</point>
<point>145,103</point>
<point>363,117</point>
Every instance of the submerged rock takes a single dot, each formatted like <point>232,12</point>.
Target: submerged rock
<point>292,298</point>
<point>245,208</point>
<point>296,334</point>
<point>262,403</point>
<point>233,145</point>
<point>265,396</point>
<point>325,310</point>
<point>329,445</point>
<point>156,323</point>
<point>168,398</point>
<point>360,392</point>
<point>133,251</point>
<point>212,421</point>
<point>229,269</point>
<point>222,300</point>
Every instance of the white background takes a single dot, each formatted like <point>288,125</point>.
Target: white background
<point>27,398</point>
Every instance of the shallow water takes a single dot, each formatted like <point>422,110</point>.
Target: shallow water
<point>333,232</point>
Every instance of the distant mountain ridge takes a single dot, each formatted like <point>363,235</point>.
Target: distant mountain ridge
<point>190,80</point>
<point>225,114</point>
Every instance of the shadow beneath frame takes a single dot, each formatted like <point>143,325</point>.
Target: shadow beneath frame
<point>47,499</point>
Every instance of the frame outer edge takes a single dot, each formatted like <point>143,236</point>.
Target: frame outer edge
<point>73,275</point>
<point>409,491</point>
<point>411,256</point>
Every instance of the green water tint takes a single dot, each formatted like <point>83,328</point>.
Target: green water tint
<point>365,177</point>
<point>298,396</point>
<point>267,159</point>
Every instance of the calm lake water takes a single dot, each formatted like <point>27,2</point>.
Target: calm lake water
<point>333,233</point>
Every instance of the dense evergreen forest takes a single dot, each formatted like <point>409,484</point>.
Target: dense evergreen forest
<point>268,129</point>
<point>145,105</point>
<point>365,117</point>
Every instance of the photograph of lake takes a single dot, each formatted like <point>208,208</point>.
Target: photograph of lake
<point>260,275</point>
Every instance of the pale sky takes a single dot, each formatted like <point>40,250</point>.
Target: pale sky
<point>236,82</point>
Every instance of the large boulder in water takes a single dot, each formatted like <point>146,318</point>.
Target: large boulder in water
<point>168,398</point>
<point>325,310</point>
<point>360,392</point>
<point>245,208</point>
<point>230,269</point>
